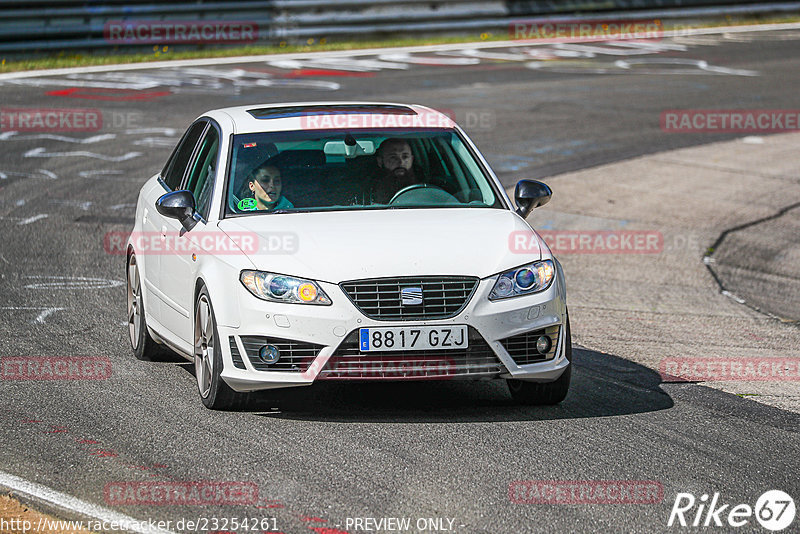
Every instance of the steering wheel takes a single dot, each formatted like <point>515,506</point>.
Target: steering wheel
<point>414,187</point>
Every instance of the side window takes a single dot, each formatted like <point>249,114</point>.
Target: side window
<point>175,167</point>
<point>203,172</point>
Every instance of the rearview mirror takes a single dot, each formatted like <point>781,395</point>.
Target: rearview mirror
<point>178,205</point>
<point>349,148</point>
<point>531,194</point>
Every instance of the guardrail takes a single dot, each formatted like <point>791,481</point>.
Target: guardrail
<point>45,26</point>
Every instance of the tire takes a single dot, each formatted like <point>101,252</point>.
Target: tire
<point>214,392</point>
<point>144,346</point>
<point>545,393</point>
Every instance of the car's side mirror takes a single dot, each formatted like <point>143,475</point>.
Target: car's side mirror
<point>178,205</point>
<point>531,194</point>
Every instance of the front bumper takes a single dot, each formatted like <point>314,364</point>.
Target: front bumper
<point>318,341</point>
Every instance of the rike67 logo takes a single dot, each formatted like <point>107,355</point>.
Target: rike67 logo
<point>774,510</point>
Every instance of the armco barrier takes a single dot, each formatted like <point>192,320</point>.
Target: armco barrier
<point>52,25</point>
<point>543,7</point>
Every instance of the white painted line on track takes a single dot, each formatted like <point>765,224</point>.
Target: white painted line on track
<point>82,204</point>
<point>45,174</point>
<point>73,504</point>
<point>71,282</point>
<point>100,173</point>
<point>163,131</point>
<point>14,136</point>
<point>372,51</point>
<point>44,314</point>
<point>40,152</point>
<point>30,220</point>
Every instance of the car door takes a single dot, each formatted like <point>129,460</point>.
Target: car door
<point>154,225</point>
<point>177,265</point>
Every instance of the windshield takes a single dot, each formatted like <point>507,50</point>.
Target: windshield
<point>284,172</point>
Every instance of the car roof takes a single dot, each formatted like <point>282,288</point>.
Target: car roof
<point>328,115</point>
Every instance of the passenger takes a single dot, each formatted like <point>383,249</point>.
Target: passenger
<point>265,183</point>
<point>396,169</point>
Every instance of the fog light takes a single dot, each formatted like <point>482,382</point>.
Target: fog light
<point>269,354</point>
<point>307,292</point>
<point>543,344</point>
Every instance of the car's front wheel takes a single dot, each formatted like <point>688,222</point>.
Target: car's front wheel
<point>214,392</point>
<point>544,393</point>
<point>143,345</point>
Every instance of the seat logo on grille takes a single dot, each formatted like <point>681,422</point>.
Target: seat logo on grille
<point>411,296</point>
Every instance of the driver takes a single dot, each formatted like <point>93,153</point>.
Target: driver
<point>396,169</point>
<point>265,183</point>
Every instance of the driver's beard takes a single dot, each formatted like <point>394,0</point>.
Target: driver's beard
<point>404,176</point>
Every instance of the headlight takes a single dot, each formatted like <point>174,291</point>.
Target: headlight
<point>523,280</point>
<point>282,288</point>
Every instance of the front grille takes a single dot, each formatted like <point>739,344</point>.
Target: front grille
<point>477,360</point>
<point>522,347</point>
<point>442,297</point>
<point>296,356</point>
<point>237,358</point>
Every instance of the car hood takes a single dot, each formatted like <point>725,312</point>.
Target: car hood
<point>349,245</point>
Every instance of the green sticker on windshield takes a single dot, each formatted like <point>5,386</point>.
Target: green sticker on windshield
<point>247,204</point>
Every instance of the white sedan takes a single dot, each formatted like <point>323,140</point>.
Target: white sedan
<point>288,243</point>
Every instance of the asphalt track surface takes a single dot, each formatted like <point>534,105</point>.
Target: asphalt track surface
<point>322,455</point>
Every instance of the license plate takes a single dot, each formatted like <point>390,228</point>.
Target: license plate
<point>413,338</point>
